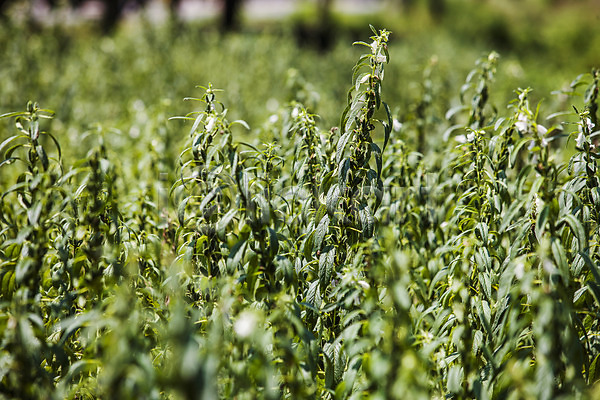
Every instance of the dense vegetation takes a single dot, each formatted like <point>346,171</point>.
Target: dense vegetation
<point>440,246</point>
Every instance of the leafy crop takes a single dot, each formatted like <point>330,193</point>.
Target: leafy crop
<point>341,263</point>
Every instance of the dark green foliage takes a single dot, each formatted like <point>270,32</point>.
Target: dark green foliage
<point>341,263</point>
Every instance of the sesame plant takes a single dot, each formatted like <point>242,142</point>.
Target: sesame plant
<point>317,262</point>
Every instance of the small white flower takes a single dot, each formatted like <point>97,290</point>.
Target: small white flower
<point>245,325</point>
<point>522,123</point>
<point>210,123</point>
<point>273,118</point>
<point>295,112</point>
<point>542,130</point>
<point>381,58</point>
<point>364,285</point>
<point>396,125</point>
<point>522,126</point>
<point>589,123</point>
<point>427,336</point>
<point>465,138</point>
<point>461,139</point>
<point>580,140</point>
<point>544,142</point>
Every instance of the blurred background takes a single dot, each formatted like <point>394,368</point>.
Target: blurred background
<point>124,66</point>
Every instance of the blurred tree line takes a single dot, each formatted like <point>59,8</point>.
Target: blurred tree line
<point>114,10</point>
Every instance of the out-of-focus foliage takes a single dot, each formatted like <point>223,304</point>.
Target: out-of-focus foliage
<point>129,81</point>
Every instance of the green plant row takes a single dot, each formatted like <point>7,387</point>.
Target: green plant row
<point>341,263</point>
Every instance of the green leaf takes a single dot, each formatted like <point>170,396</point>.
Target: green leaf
<point>482,229</point>
<point>181,211</point>
<point>22,269</point>
<point>79,367</point>
<point>43,157</point>
<point>540,223</point>
<point>387,126</point>
<point>199,119</point>
<point>592,266</point>
<point>70,325</point>
<point>477,341</point>
<point>33,214</point>
<point>514,152</point>
<point>344,117</point>
<point>308,245</point>
<point>8,161</point>
<point>321,211</point>
<point>366,221</point>
<point>321,231</point>
<point>486,284</point>
<point>8,280</point>
<point>341,146</point>
<point>387,54</point>
<point>578,293</point>
<point>352,331</point>
<point>595,289</point>
<point>401,296</point>
<point>375,149</point>
<point>326,266</point>
<point>377,90</point>
<point>211,195</point>
<point>332,199</point>
<point>244,185</point>
<point>373,30</point>
<point>224,221</point>
<point>327,181</point>
<point>594,373</point>
<point>560,258</point>
<point>455,377</point>
<point>360,79</point>
<point>7,142</point>
<point>57,144</point>
<point>334,364</point>
<point>486,316</point>
<point>265,207</point>
<point>14,114</point>
<point>355,109</point>
<point>359,42</point>
<point>578,230</point>
<point>448,131</point>
<point>313,295</point>
<point>344,167</point>
<point>235,255</point>
<point>273,243</point>
<point>483,260</point>
<point>455,110</point>
<point>34,129</point>
<point>240,122</point>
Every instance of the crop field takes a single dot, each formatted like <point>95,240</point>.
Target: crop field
<point>397,217</point>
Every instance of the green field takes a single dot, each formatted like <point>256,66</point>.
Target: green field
<point>192,214</point>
